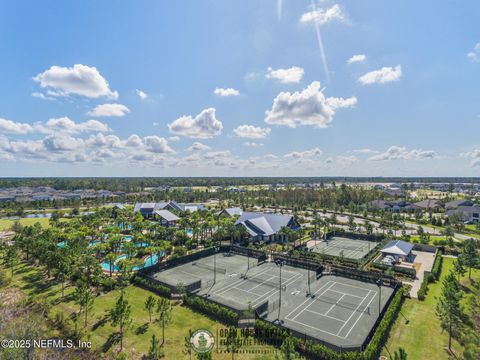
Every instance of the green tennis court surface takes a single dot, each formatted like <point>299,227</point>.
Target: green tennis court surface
<point>341,313</point>
<point>342,246</point>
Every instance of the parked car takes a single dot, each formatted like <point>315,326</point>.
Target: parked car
<point>388,260</point>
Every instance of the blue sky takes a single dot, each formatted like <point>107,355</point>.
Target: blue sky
<point>240,88</point>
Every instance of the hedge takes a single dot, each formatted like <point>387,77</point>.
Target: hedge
<point>437,265</point>
<point>398,269</point>
<point>430,277</point>
<point>211,309</point>
<point>313,350</point>
<point>148,285</point>
<point>427,279</point>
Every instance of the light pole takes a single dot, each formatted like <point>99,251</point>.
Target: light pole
<point>308,268</point>
<point>280,264</point>
<point>215,263</point>
<point>379,284</point>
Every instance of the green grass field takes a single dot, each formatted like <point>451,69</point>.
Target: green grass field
<point>31,282</point>
<point>7,224</point>
<point>417,328</point>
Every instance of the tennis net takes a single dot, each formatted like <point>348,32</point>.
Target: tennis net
<point>344,304</point>
<point>210,267</point>
<point>271,283</point>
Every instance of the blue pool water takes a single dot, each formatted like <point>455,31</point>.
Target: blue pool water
<point>128,237</point>
<point>149,261</point>
<point>189,232</point>
<point>62,244</point>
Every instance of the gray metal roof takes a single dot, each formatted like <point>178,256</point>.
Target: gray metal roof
<point>456,203</point>
<point>167,215</point>
<point>397,247</point>
<point>263,223</point>
<point>233,211</point>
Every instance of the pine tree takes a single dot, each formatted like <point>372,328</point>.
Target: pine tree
<point>120,316</point>
<point>164,310</point>
<point>470,255</point>
<point>459,267</point>
<point>149,305</point>
<point>448,309</point>
<point>155,352</point>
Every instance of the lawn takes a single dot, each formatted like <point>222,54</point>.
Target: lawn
<point>7,224</point>
<point>417,328</point>
<point>99,331</point>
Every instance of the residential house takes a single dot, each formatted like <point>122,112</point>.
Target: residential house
<point>148,209</point>
<point>428,204</point>
<point>469,214</point>
<point>389,205</point>
<point>454,204</point>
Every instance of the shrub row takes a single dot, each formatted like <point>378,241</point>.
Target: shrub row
<point>156,288</point>
<point>430,277</point>
<point>398,269</point>
<point>437,265</point>
<point>313,350</point>
<point>211,309</point>
<point>427,279</point>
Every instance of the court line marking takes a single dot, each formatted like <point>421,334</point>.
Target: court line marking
<point>353,286</point>
<point>236,282</point>
<point>341,297</point>
<point>361,314</point>
<point>290,282</point>
<point>354,311</point>
<point>312,302</point>
<point>257,296</point>
<point>313,327</point>
<point>327,316</point>
<point>325,285</point>
<point>340,292</point>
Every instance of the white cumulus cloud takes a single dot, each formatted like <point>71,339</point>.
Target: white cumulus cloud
<point>357,58</point>
<point>203,126</point>
<point>80,80</point>
<point>106,110</point>
<point>65,124</point>
<point>252,144</point>
<point>198,146</point>
<point>226,92</point>
<point>304,154</point>
<point>307,107</point>
<point>286,76</point>
<point>474,55</point>
<point>157,144</point>
<point>324,16</point>
<point>251,132</point>
<point>402,153</point>
<point>381,76</point>
<point>12,127</point>
<point>141,94</point>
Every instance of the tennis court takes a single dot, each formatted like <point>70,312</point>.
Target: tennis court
<point>334,310</point>
<point>342,246</point>
<point>342,311</point>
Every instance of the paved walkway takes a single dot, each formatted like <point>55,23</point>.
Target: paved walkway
<point>425,259</point>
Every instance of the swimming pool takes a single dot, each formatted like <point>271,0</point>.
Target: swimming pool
<point>149,261</point>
